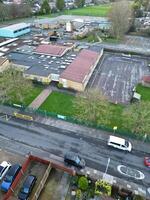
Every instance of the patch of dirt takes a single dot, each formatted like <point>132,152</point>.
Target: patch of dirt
<point>50,191</point>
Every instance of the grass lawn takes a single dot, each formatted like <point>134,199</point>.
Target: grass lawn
<point>30,96</point>
<point>111,40</point>
<point>144,91</point>
<point>99,11</point>
<point>116,119</point>
<point>59,103</point>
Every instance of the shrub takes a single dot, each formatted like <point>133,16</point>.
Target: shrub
<point>74,180</point>
<point>101,187</point>
<point>138,197</point>
<point>83,183</point>
<point>60,85</point>
<point>78,194</point>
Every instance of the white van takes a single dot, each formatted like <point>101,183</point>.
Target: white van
<point>119,143</point>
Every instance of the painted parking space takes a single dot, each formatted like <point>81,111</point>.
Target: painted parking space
<point>117,74</point>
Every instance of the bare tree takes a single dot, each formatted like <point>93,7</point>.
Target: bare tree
<point>4,12</point>
<point>13,86</point>
<point>137,118</point>
<point>120,17</point>
<point>92,106</point>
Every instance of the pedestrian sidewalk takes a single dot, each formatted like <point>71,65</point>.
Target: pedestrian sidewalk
<point>91,132</point>
<point>40,98</point>
<point>79,129</point>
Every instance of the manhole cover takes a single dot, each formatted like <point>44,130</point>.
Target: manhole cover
<point>130,172</point>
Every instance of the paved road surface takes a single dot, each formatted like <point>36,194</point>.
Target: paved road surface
<point>20,137</point>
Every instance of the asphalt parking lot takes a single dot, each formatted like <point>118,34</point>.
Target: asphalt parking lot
<point>117,74</point>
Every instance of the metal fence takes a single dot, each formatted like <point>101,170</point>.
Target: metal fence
<point>89,124</point>
<point>44,113</point>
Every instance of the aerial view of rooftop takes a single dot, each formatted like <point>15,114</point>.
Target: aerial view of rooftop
<point>75,100</point>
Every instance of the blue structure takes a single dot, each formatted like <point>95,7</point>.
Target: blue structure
<point>15,30</point>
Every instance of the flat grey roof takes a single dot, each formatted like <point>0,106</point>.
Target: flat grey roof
<point>42,65</point>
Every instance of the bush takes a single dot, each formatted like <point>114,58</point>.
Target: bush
<point>74,180</point>
<point>78,194</point>
<point>83,183</point>
<point>138,197</point>
<point>60,85</point>
<point>101,187</point>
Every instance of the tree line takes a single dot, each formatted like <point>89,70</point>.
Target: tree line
<point>13,11</point>
<point>92,106</point>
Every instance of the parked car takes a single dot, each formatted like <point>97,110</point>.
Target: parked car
<point>10,177</point>
<point>74,159</point>
<point>119,143</point>
<point>147,161</point>
<point>27,187</point>
<point>4,167</point>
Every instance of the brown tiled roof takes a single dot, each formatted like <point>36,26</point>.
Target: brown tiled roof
<point>146,79</point>
<point>80,67</point>
<point>49,49</point>
<point>2,60</point>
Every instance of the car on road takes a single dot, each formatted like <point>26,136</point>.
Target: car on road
<point>27,187</point>
<point>10,177</point>
<point>74,160</point>
<point>119,143</point>
<point>147,161</point>
<point>4,167</point>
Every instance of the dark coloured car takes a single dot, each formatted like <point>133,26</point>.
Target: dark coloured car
<point>10,177</point>
<point>27,187</point>
<point>74,159</point>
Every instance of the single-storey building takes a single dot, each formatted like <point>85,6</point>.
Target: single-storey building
<point>78,73</point>
<point>4,64</point>
<point>46,23</point>
<point>52,50</point>
<point>15,30</point>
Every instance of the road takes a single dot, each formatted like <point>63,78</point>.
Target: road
<point>21,137</point>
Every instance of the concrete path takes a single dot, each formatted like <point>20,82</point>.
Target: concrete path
<point>40,98</point>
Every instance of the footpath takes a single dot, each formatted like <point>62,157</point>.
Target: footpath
<point>90,132</point>
<point>138,145</point>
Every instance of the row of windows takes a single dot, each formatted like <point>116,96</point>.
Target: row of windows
<point>21,29</point>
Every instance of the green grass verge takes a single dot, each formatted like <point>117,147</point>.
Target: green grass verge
<point>29,97</point>
<point>62,104</point>
<point>99,11</point>
<point>59,103</point>
<point>116,118</point>
<point>111,40</point>
<point>144,91</point>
